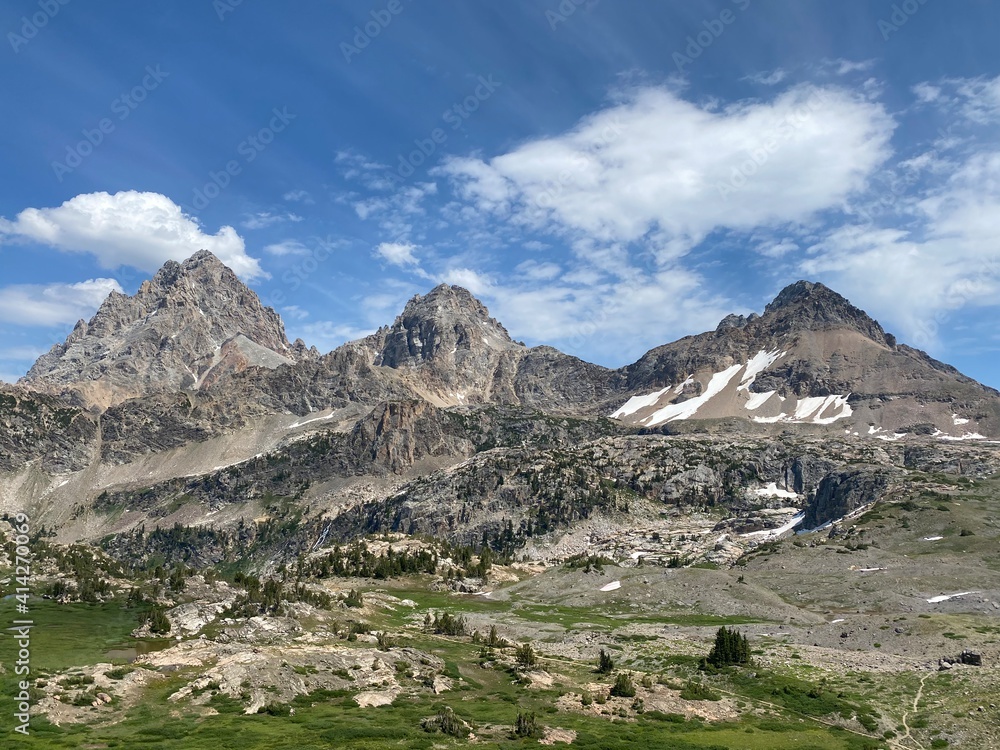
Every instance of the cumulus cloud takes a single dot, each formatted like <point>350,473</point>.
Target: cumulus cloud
<point>141,230</point>
<point>657,165</point>
<point>53,304</point>
<point>397,253</point>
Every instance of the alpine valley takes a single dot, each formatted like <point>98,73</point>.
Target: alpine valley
<point>436,536</point>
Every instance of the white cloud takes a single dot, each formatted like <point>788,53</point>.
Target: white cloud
<point>842,67</point>
<point>294,312</point>
<point>980,99</point>
<point>474,281</point>
<point>298,196</point>
<point>53,304</point>
<point>396,253</point>
<point>657,164</point>
<point>264,219</point>
<point>613,321</point>
<point>964,100</point>
<point>535,271</point>
<point>926,93</point>
<point>776,76</point>
<point>287,247</point>
<point>777,248</point>
<point>141,230</point>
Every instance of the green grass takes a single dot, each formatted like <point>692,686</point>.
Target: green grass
<point>69,635</point>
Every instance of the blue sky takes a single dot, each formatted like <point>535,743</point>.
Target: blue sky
<point>606,176</point>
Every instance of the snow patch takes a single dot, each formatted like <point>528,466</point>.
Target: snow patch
<point>891,438</point>
<point>757,364</point>
<point>687,409</point>
<point>309,421</point>
<point>636,403</point>
<point>839,619</point>
<point>958,420</point>
<point>946,597</point>
<point>771,420</point>
<point>613,586</point>
<point>815,410</point>
<point>778,531</point>
<point>757,400</point>
<point>772,491</point>
<point>812,410</point>
<point>932,539</point>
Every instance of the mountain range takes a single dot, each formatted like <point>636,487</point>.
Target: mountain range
<point>192,375</point>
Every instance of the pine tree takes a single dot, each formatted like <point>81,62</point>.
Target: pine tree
<point>624,687</point>
<point>605,664</point>
<point>731,647</point>
<point>525,656</point>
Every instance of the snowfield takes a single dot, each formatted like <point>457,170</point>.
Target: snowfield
<point>814,410</point>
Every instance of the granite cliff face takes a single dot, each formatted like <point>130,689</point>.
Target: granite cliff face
<point>187,327</point>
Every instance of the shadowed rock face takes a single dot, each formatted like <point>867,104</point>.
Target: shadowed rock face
<point>843,492</point>
<point>191,321</point>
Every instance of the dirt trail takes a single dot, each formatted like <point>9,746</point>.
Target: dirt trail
<point>906,715</point>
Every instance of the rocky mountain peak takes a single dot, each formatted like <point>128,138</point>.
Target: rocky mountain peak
<point>191,318</point>
<point>448,323</point>
<point>807,305</point>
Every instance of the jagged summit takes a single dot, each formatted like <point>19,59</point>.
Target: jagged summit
<point>807,305</point>
<point>448,323</point>
<point>799,291</point>
<point>184,328</point>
